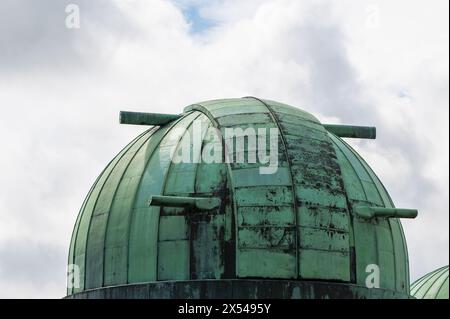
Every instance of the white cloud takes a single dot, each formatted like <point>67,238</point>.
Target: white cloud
<point>61,94</point>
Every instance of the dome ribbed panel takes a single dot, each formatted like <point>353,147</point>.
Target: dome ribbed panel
<point>118,222</point>
<point>80,233</point>
<point>144,227</point>
<point>389,252</point>
<point>323,221</point>
<point>433,285</point>
<point>95,245</point>
<point>263,204</point>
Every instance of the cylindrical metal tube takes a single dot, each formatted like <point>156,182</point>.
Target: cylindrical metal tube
<point>373,212</point>
<point>352,131</point>
<point>203,203</point>
<point>140,118</point>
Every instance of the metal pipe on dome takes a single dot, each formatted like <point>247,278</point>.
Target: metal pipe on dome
<point>368,212</point>
<point>202,203</point>
<point>352,131</point>
<point>141,118</point>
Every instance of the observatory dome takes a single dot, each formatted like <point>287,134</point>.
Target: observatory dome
<point>311,226</point>
<point>433,285</point>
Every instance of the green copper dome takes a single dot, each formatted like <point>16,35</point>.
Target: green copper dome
<point>433,285</point>
<point>308,221</point>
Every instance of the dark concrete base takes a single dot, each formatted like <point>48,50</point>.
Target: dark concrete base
<point>239,289</point>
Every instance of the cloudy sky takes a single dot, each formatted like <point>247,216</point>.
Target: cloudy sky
<point>382,63</point>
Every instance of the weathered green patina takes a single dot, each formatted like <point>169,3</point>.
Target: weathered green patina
<point>298,224</point>
<point>433,285</point>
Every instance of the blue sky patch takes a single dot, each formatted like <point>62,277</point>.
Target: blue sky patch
<point>192,14</point>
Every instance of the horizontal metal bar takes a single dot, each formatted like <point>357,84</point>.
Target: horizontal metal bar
<point>203,203</point>
<point>140,118</point>
<point>383,212</point>
<point>352,131</point>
